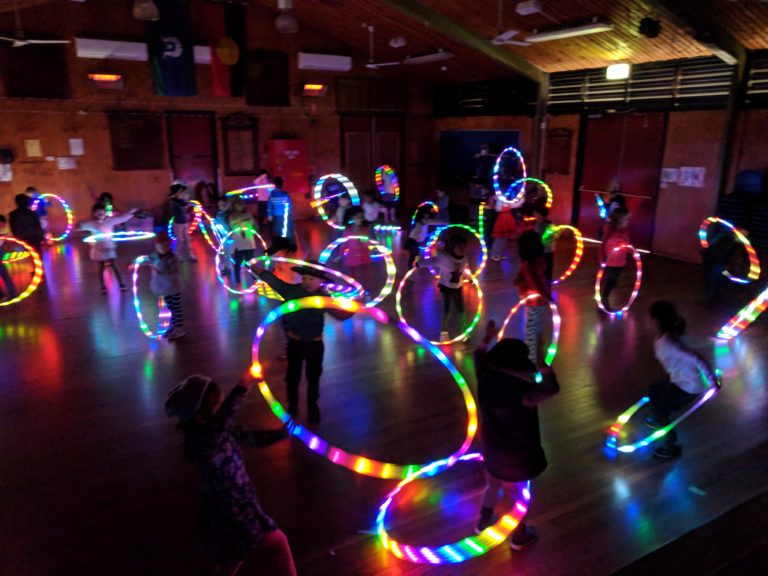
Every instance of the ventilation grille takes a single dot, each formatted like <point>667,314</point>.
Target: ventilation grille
<point>757,83</point>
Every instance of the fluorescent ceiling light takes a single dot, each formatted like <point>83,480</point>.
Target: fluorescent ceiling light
<point>438,56</point>
<point>585,30</point>
<point>618,71</point>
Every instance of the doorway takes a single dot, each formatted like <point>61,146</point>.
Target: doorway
<point>192,146</point>
<point>367,142</point>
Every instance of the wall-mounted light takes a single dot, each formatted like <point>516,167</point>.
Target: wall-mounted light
<point>106,80</point>
<point>618,71</point>
<point>314,90</point>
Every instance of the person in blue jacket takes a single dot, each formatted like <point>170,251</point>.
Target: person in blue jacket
<point>279,210</point>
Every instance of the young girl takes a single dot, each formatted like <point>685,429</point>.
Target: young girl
<point>416,238</point>
<point>452,265</point>
<point>341,215</point>
<point>509,424</point>
<point>243,227</point>
<point>356,252</point>
<point>166,282</point>
<point>531,280</point>
<point>239,535</point>
<point>689,375</point>
<point>504,229</point>
<point>104,250</point>
<point>371,208</point>
<point>615,234</point>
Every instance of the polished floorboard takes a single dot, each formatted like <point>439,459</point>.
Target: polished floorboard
<point>93,482</point>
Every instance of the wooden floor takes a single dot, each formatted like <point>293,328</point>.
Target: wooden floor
<point>92,480</point>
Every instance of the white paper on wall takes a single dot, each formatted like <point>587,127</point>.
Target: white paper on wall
<point>6,173</point>
<point>33,148</point>
<point>692,176</point>
<point>66,163</point>
<point>76,147</point>
<point>669,175</point>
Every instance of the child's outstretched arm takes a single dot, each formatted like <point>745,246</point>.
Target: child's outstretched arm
<point>539,392</point>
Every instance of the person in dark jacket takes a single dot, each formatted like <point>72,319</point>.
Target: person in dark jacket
<point>304,330</point>
<point>25,224</point>
<point>509,423</point>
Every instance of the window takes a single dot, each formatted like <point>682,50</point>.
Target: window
<point>137,140</point>
<point>241,145</point>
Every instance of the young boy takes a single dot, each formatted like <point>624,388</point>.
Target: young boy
<point>279,210</point>
<point>304,330</point>
<point>166,282</point>
<point>371,209</point>
<point>180,212</point>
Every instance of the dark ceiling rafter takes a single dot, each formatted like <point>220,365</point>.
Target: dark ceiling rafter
<point>458,33</point>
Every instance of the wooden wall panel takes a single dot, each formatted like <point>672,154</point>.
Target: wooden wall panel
<point>562,184</point>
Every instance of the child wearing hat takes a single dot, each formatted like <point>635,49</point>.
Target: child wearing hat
<point>304,330</point>
<point>509,423</point>
<point>104,249</point>
<point>234,528</point>
<point>166,282</point>
<point>180,209</point>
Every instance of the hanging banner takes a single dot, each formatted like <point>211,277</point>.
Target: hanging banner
<point>170,50</point>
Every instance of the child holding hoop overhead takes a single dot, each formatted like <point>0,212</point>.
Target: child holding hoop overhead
<point>615,234</point>
<point>237,533</point>
<point>531,279</point>
<point>685,369</point>
<point>509,423</point>
<point>453,266</point>
<point>166,282</point>
<point>104,250</point>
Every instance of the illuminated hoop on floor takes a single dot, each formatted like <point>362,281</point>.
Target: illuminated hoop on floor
<point>222,252</point>
<point>552,349</point>
<point>462,550</point>
<point>432,208</point>
<point>432,241</point>
<point>519,198</point>
<point>613,434</point>
<point>197,208</point>
<point>359,464</point>
<point>164,315</point>
<point>319,200</point>
<point>37,275</point>
<point>741,236</point>
<point>325,255</point>
<point>67,211</point>
<point>635,288</point>
<point>386,170</point>
<point>467,332</point>
<point>745,317</point>
<point>128,236</point>
<point>577,254</point>
<point>353,289</point>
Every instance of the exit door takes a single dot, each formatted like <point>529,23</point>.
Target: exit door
<point>192,146</point>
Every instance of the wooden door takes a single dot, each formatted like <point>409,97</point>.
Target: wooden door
<point>192,146</point>
<point>367,143</point>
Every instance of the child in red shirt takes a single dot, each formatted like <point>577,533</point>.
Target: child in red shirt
<point>615,235</point>
<point>530,280</point>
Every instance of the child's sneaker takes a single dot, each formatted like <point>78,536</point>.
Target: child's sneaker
<point>523,537</point>
<point>668,452</point>
<point>487,519</point>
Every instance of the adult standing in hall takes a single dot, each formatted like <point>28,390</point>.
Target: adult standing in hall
<point>25,224</point>
<point>180,208</point>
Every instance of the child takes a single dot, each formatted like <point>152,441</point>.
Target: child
<point>356,252</point>
<point>371,209</point>
<point>108,201</point>
<point>279,210</point>
<point>166,282</point>
<point>689,375</point>
<point>615,234</point>
<point>10,288</point>
<point>531,280</point>
<point>416,238</point>
<point>341,216</point>
<point>180,210</point>
<point>305,334</point>
<point>543,226</point>
<point>262,195</point>
<point>443,204</point>
<point>504,228</point>
<point>40,206</point>
<point>243,227</point>
<point>453,266</point>
<point>234,528</point>
<point>509,424</point>
<point>25,224</point>
<point>388,200</point>
<point>104,250</point>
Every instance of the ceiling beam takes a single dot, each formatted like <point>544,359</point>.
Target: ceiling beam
<point>458,33</point>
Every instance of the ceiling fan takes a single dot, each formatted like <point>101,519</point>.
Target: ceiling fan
<point>21,39</point>
<point>505,38</point>
<point>435,56</point>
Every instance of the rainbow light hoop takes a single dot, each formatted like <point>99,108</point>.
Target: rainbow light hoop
<point>354,462</point>
<point>17,256</point>
<point>37,274</point>
<point>577,254</point>
<point>216,232</point>
<point>469,329</point>
<point>635,288</point>
<point>432,241</point>
<point>386,228</point>
<point>354,290</point>
<point>325,255</point>
<point>197,208</point>
<point>432,208</point>
<point>556,322</point>
<point>741,236</point>
<point>544,185</point>
<point>745,317</point>
<point>519,198</point>
<point>242,192</point>
<point>67,211</point>
<point>319,200</point>
<point>601,207</point>
<point>164,315</point>
<point>221,252</point>
<point>386,170</point>
<point>462,550</point>
<point>612,441</point>
<point>127,236</point>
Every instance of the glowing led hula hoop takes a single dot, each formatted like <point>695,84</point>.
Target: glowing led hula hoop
<point>432,240</point>
<point>67,211</point>
<point>502,194</point>
<point>745,317</point>
<point>383,250</point>
<point>613,440</point>
<point>635,288</point>
<point>467,332</point>
<point>165,314</point>
<point>552,350</point>
<point>217,232</point>
<point>319,200</point>
<point>197,208</point>
<point>601,207</point>
<point>741,236</point>
<point>577,254</point>
<point>9,257</point>
<point>221,252</point>
<point>462,550</point>
<point>386,170</point>
<point>37,275</point>
<point>544,185</point>
<point>432,208</point>
<point>127,236</point>
<point>355,462</point>
<point>356,292</point>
